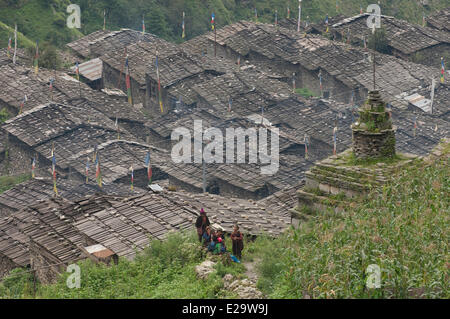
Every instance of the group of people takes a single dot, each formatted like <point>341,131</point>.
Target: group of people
<point>214,241</point>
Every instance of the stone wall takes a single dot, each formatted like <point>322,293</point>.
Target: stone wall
<point>373,145</point>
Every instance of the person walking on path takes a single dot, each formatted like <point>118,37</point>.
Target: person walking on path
<point>201,224</point>
<point>238,242</point>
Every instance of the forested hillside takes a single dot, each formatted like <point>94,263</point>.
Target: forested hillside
<point>45,20</point>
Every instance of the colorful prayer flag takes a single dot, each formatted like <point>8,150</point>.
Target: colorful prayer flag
<point>320,82</point>
<point>334,140</point>
<point>306,147</point>
<point>442,70</point>
<point>77,71</point>
<point>213,21</point>
<point>33,167</point>
<point>326,23</point>
<point>132,178</point>
<point>337,5</point>
<point>104,19</point>
<point>87,170</point>
<point>8,52</point>
<point>25,99</point>
<point>276,17</point>
<point>36,59</point>
<point>143,25</point>
<point>288,12</point>
<point>159,86</point>
<point>15,43</point>
<point>128,81</point>
<point>149,167</point>
<point>55,189</point>
<point>360,9</point>
<point>98,173</point>
<point>183,34</point>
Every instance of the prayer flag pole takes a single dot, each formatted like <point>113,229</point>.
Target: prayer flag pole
<point>299,15</point>
<point>15,44</point>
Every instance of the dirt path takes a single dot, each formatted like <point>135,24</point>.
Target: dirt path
<point>251,271</point>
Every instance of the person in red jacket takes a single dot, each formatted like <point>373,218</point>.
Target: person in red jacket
<point>238,242</point>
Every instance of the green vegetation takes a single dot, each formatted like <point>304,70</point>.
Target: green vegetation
<point>164,270</point>
<point>6,32</point>
<point>378,41</point>
<point>48,55</point>
<point>402,227</point>
<point>305,92</point>
<point>351,160</point>
<point>4,115</point>
<point>45,20</point>
<point>8,182</point>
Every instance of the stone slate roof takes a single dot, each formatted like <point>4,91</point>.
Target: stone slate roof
<point>282,201</point>
<point>403,36</point>
<point>350,65</point>
<point>140,55</point>
<point>249,90</point>
<point>47,224</point>
<point>182,65</point>
<point>21,57</point>
<point>46,122</point>
<point>19,80</point>
<point>124,225</point>
<point>69,129</point>
<point>41,189</point>
<point>81,46</point>
<point>118,40</point>
<point>439,20</point>
<point>116,157</point>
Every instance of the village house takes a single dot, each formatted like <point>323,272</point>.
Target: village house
<point>52,234</point>
<point>405,40</point>
<point>91,47</point>
<point>439,20</point>
<point>140,55</point>
<point>328,68</point>
<point>40,189</point>
<point>19,81</point>
<point>66,128</point>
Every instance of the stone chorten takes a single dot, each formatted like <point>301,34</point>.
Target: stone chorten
<point>373,132</point>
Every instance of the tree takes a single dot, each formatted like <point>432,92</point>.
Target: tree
<point>379,42</point>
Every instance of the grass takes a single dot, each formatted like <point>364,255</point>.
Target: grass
<point>351,160</point>
<point>402,227</point>
<point>6,32</point>
<point>306,93</point>
<point>8,182</point>
<point>164,270</point>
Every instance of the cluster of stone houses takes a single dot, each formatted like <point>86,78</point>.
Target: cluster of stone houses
<point>246,76</point>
